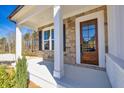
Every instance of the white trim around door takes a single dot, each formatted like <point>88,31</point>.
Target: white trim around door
<point>101,38</point>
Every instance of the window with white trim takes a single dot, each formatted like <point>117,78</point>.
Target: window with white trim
<point>48,39</point>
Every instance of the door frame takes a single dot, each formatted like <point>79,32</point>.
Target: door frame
<point>96,36</point>
<point>101,36</point>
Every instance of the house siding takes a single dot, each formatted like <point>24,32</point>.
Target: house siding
<point>70,53</point>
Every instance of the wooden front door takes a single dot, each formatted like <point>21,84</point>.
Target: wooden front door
<point>89,42</point>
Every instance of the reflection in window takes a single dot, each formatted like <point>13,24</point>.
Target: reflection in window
<point>49,39</point>
<point>46,35</point>
<point>46,39</point>
<point>88,36</point>
<point>46,45</point>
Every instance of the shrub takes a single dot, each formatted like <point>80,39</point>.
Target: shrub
<point>7,76</point>
<point>21,73</point>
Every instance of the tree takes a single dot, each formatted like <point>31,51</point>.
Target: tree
<point>3,44</point>
<point>21,76</point>
<point>34,36</point>
<point>11,42</point>
<point>27,40</point>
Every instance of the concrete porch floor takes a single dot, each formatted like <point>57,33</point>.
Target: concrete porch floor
<point>41,72</point>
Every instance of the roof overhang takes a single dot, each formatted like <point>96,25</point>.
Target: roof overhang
<point>35,16</point>
<point>19,7</point>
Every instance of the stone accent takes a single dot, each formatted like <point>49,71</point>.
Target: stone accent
<point>46,54</point>
<point>70,53</point>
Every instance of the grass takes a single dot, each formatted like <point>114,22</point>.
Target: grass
<point>7,75</point>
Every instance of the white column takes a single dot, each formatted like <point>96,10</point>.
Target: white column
<point>115,58</point>
<point>18,43</point>
<point>58,46</point>
<point>115,30</point>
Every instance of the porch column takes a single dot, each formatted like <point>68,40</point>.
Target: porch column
<point>58,46</point>
<point>115,56</point>
<point>18,43</point>
<point>115,30</point>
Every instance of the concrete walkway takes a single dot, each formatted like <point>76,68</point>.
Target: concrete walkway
<point>75,76</point>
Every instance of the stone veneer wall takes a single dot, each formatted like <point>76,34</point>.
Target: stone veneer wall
<point>70,53</point>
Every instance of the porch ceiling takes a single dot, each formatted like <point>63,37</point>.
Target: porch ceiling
<point>36,16</point>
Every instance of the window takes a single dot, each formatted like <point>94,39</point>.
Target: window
<point>88,35</point>
<point>48,39</point>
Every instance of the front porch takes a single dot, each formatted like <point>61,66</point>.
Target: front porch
<point>108,44</point>
<point>59,30</point>
<point>41,73</point>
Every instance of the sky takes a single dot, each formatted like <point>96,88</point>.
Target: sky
<point>6,26</point>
